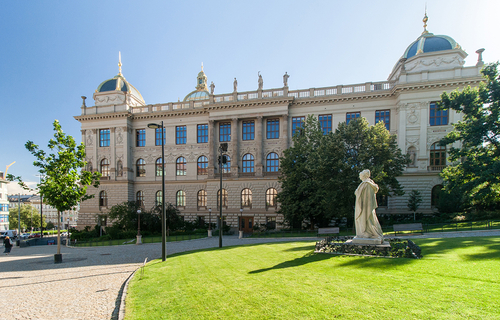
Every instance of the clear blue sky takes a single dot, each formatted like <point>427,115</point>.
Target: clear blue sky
<point>53,52</point>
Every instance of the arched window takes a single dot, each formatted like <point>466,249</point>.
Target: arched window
<point>271,195</point>
<point>139,198</point>
<point>272,162</point>
<point>202,198</point>
<point>158,198</point>
<point>438,155</point>
<point>103,199</point>
<point>180,198</point>
<point>105,167</point>
<point>224,198</point>
<point>246,198</point>
<point>180,166</point>
<point>202,165</point>
<point>435,193</point>
<point>226,167</point>
<point>248,163</point>
<point>159,166</point>
<point>141,168</point>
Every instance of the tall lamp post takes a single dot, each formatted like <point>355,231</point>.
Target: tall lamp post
<point>222,159</point>
<point>163,220</point>
<point>210,222</point>
<point>241,221</point>
<point>139,237</point>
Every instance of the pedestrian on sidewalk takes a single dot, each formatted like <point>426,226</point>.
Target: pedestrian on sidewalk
<point>7,244</point>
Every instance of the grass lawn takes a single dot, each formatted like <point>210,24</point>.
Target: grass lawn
<point>458,278</point>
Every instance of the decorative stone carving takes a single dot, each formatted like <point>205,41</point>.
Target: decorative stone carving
<point>413,116</point>
<point>90,140</point>
<point>119,136</point>
<point>432,62</point>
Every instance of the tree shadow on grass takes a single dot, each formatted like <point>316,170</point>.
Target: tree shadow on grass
<point>308,258</point>
<point>490,247</point>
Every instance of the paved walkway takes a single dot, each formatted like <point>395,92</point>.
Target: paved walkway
<point>89,282</point>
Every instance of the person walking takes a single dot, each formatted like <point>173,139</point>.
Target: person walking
<point>7,244</point>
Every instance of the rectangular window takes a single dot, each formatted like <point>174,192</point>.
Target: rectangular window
<point>202,133</point>
<point>297,123</point>
<point>180,135</point>
<point>437,117</point>
<point>383,116</point>
<point>351,116</point>
<point>140,140</point>
<point>225,132</point>
<point>248,130</point>
<point>104,138</point>
<point>325,121</point>
<point>158,136</point>
<point>273,128</point>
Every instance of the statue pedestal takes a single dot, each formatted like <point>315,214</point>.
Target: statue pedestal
<point>369,242</point>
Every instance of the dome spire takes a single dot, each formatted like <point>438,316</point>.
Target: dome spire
<point>425,19</point>
<point>119,63</point>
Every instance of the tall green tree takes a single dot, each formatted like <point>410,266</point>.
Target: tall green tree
<point>475,169</point>
<point>319,173</point>
<point>64,181</point>
<point>30,217</point>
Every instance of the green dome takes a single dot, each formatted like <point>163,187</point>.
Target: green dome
<point>119,83</point>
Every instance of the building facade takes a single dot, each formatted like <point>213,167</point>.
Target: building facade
<point>258,126</point>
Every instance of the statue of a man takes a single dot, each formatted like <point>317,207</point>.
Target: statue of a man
<point>261,82</point>
<point>212,88</point>
<point>285,79</point>
<point>235,85</point>
<point>367,225</point>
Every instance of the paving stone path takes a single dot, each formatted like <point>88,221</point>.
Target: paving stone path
<point>90,282</point>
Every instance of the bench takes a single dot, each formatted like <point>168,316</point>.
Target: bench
<point>328,230</point>
<point>408,227</point>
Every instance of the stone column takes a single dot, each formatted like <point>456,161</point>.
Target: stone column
<point>284,131</point>
<point>212,153</point>
<point>235,159</point>
<point>259,168</point>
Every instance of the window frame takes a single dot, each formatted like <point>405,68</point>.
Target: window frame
<point>158,198</point>
<point>139,198</point>
<point>326,124</point>
<point>106,172</point>
<point>352,116</point>
<point>297,123</point>
<point>225,132</point>
<point>202,198</point>
<point>272,163</point>
<point>246,198</point>
<point>159,167</point>
<point>180,167</point>
<point>271,198</point>
<point>436,115</point>
<point>202,133</point>
<point>273,128</point>
<point>439,150</point>
<point>203,169</point>
<point>180,134</point>
<point>383,118</point>
<point>248,130</point>
<point>103,198</point>
<point>247,163</point>
<point>158,136</point>
<point>180,198</point>
<point>140,166</point>
<point>225,197</point>
<point>140,137</point>
<point>104,137</point>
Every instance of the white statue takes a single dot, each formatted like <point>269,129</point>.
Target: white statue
<point>367,225</point>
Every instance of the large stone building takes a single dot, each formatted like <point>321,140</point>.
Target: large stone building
<point>258,126</point>
<point>4,203</point>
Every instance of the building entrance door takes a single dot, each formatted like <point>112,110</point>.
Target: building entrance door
<point>246,224</point>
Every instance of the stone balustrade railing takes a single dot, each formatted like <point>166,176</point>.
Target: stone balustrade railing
<point>267,94</point>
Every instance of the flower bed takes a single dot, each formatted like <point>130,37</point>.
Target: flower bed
<point>399,248</point>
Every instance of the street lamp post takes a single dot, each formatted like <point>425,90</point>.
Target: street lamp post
<point>163,220</point>
<point>210,222</point>
<point>139,237</point>
<point>241,220</point>
<point>222,148</point>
